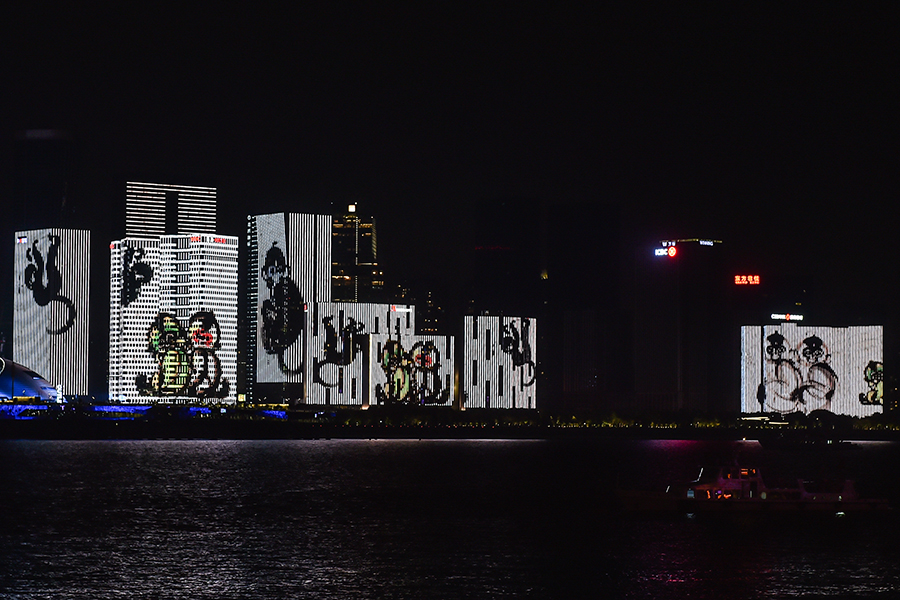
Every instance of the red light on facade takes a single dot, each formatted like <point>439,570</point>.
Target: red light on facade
<point>672,251</point>
<point>746,279</point>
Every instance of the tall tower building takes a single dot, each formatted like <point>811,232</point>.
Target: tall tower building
<point>173,319</point>
<point>288,269</point>
<point>153,209</point>
<point>133,303</point>
<point>173,299</point>
<point>355,274</point>
<point>51,306</point>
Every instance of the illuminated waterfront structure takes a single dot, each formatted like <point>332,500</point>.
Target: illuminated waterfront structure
<point>337,366</point>
<point>787,367</point>
<point>154,209</point>
<point>415,370</point>
<point>133,304</point>
<point>498,368</point>
<point>288,267</point>
<point>51,306</point>
<point>173,319</point>
<point>355,273</point>
<point>18,382</point>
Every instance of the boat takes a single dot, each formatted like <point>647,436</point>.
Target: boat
<point>740,489</point>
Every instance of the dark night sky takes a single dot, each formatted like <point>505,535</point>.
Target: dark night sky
<point>770,128</point>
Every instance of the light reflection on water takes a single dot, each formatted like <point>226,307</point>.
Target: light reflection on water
<point>416,519</point>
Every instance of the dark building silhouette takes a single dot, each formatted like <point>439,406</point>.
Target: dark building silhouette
<point>355,274</point>
<point>681,346</point>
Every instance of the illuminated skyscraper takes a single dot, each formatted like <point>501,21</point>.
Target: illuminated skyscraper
<point>289,268</point>
<point>355,273</point>
<point>133,304</point>
<point>51,307</point>
<point>173,319</point>
<point>153,209</point>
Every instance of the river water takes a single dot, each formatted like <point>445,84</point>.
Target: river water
<point>422,519</point>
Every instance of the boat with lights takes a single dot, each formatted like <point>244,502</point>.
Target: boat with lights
<point>739,489</point>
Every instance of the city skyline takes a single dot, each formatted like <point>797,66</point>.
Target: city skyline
<point>488,137</point>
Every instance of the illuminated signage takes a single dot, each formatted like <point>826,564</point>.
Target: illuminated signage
<point>786,317</point>
<point>706,242</point>
<point>746,279</point>
<point>670,251</point>
<point>22,239</point>
<point>395,308</point>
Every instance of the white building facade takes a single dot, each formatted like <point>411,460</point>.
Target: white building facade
<point>337,368</point>
<point>51,306</point>
<point>289,268</point>
<point>416,370</point>
<point>498,362</point>
<point>173,319</point>
<point>789,368</point>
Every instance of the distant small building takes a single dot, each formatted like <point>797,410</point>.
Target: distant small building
<point>355,274</point>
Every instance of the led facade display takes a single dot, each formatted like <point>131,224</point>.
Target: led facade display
<point>789,368</point>
<point>50,319</point>
<point>337,367</point>
<point>155,209</point>
<point>133,304</point>
<point>173,319</point>
<point>411,369</point>
<point>290,267</point>
<point>499,362</point>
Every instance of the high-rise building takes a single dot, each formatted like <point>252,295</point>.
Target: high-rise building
<point>681,353</point>
<point>499,368</point>
<point>355,273</point>
<point>289,268</point>
<point>51,307</point>
<point>133,304</point>
<point>173,319</point>
<point>154,209</point>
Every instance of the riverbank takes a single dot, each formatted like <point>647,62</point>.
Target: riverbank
<point>96,429</point>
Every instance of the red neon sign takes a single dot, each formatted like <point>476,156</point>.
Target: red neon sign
<point>672,251</point>
<point>746,279</point>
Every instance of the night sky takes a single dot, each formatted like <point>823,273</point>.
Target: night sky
<point>554,132</point>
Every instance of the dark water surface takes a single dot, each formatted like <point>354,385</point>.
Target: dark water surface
<point>421,519</point>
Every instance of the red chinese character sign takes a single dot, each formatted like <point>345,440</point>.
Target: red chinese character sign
<point>746,279</point>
